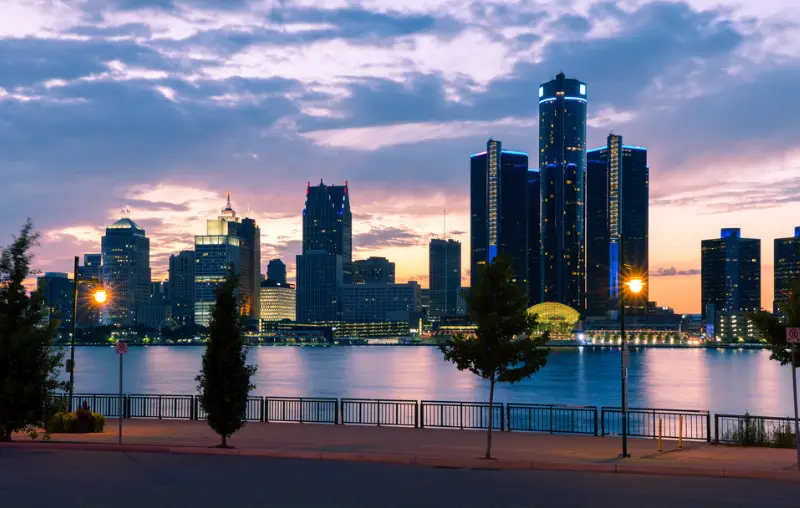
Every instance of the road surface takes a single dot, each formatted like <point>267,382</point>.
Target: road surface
<point>86,479</point>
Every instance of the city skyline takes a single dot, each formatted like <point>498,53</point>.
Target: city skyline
<point>204,117</point>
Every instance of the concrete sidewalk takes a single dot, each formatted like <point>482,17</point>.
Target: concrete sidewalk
<point>445,448</point>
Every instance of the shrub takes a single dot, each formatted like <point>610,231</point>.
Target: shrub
<point>783,436</point>
<point>68,421</point>
<point>83,424</point>
<point>56,423</point>
<point>98,422</point>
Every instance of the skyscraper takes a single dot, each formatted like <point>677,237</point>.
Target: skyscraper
<point>534,237</point>
<point>562,165</point>
<point>57,291</point>
<point>617,200</point>
<point>327,251</point>
<point>373,270</point>
<point>125,271</point>
<point>444,267</point>
<point>731,283</point>
<point>250,271</point>
<point>216,252</point>
<point>278,301</point>
<point>499,210</point>
<point>276,271</point>
<point>787,267</point>
<point>181,285</point>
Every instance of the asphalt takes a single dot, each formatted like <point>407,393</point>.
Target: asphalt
<point>46,477</point>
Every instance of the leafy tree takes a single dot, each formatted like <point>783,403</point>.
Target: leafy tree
<point>28,362</point>
<point>224,381</point>
<point>504,349</point>
<point>773,329</point>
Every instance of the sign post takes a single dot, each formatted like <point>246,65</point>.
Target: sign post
<point>121,348</point>
<point>793,339</point>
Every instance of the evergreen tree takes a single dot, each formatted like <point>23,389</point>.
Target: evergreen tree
<point>504,349</point>
<point>224,381</point>
<point>28,363</point>
<point>773,330</point>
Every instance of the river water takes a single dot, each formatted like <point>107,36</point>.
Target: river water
<point>723,381</point>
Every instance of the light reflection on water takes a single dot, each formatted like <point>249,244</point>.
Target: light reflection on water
<point>725,381</point>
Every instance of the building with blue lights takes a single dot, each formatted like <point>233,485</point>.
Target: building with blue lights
<point>562,166</point>
<point>534,237</point>
<point>787,268</point>
<point>181,285</point>
<point>324,265</point>
<point>617,231</point>
<point>499,210</point>
<point>731,284</point>
<point>125,272</point>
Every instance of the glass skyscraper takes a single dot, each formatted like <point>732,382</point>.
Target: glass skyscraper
<point>534,237</point>
<point>89,313</point>
<point>444,277</point>
<point>562,165</point>
<point>731,284</point>
<point>181,285</point>
<point>787,267</point>
<point>125,272</point>
<point>373,270</point>
<point>617,214</point>
<point>57,290</point>
<point>327,252</point>
<point>276,271</point>
<point>499,210</point>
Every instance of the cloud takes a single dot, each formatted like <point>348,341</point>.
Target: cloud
<point>389,236</point>
<point>673,272</point>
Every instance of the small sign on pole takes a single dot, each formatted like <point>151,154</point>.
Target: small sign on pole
<point>793,335</point>
<point>122,349</point>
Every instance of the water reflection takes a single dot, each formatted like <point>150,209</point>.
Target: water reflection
<point>721,380</point>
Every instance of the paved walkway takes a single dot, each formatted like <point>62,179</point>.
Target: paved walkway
<point>514,450</point>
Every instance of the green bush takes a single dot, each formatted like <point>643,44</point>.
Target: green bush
<point>783,436</point>
<point>56,423</point>
<point>98,422</point>
<point>68,421</point>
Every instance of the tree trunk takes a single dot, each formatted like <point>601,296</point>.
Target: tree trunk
<point>491,420</point>
<point>224,442</point>
<point>5,435</point>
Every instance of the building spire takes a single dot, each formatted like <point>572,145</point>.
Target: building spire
<point>229,200</point>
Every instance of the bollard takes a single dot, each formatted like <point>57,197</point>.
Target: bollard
<point>659,434</point>
<point>680,432</point>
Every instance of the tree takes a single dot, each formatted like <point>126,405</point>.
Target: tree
<point>224,380</point>
<point>504,349</point>
<point>28,363</point>
<point>773,329</point>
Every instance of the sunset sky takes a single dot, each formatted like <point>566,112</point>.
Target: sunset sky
<point>162,106</point>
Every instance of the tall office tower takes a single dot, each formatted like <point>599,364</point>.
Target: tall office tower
<point>373,270</point>
<point>319,282</point>
<point>499,210</point>
<point>327,251</point>
<point>276,271</point>
<point>534,238</point>
<point>125,271</point>
<point>327,221</point>
<point>562,165</point>
<point>444,270</point>
<point>181,286</point>
<point>250,271</point>
<point>89,313</point>
<point>787,268</point>
<point>617,201</point>
<point>216,252</point>
<point>731,284</point>
<point>380,301</point>
<point>57,290</point>
<point>278,301</point>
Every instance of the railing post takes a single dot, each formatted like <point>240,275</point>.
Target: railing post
<point>262,410</point>
<point>338,418</point>
<point>301,409</point>
<point>602,421</point>
<point>421,415</point>
<point>551,419</point>
<point>594,411</point>
<point>654,424</point>
<point>416,415</point>
<point>508,416</point>
<point>502,419</point>
<point>159,407</point>
<point>192,408</point>
<point>708,426</point>
<point>716,429</point>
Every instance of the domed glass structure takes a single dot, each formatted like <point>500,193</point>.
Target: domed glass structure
<point>556,318</point>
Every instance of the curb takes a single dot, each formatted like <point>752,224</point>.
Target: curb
<point>435,462</point>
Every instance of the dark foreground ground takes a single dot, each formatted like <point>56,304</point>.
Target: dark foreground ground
<point>53,478</point>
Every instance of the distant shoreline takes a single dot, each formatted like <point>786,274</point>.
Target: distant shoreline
<point>552,345</point>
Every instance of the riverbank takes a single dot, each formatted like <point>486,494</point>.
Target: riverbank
<point>555,344</point>
<point>437,448</point>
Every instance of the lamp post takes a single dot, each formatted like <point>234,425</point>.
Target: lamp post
<point>100,297</point>
<point>635,286</point>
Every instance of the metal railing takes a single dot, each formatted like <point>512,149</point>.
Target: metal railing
<point>380,412</point>
<point>254,411</point>
<point>688,424</point>
<point>301,410</point>
<point>552,418</point>
<point>104,403</point>
<point>161,406</point>
<point>749,430</point>
<point>460,415</point>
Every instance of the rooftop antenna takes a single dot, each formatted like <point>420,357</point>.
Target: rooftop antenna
<point>444,223</point>
<point>248,207</point>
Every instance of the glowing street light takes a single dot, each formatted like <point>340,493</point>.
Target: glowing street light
<point>100,296</point>
<point>635,286</point>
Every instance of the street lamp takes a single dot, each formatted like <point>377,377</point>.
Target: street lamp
<point>635,286</point>
<point>100,296</point>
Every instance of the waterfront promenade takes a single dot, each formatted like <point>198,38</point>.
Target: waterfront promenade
<point>438,448</point>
